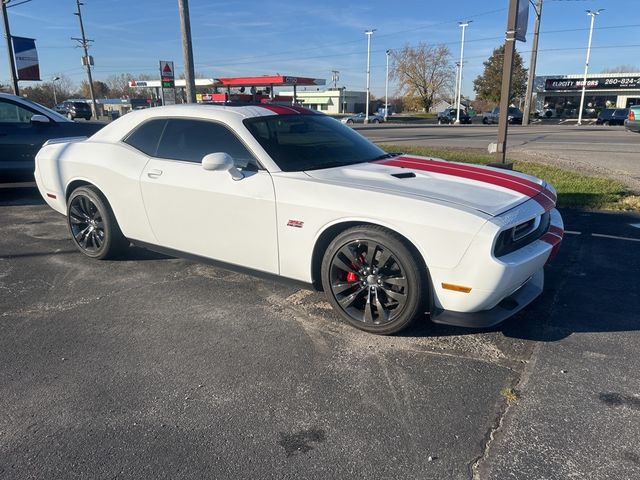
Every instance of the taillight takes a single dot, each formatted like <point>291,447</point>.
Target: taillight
<point>632,116</point>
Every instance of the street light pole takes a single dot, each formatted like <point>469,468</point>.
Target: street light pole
<point>532,64</point>
<point>593,14</point>
<point>463,25</point>
<point>386,89</point>
<point>53,83</point>
<point>368,33</point>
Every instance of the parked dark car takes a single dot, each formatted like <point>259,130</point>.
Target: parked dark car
<point>448,116</point>
<point>632,123</point>
<point>74,109</point>
<point>24,127</point>
<point>612,116</point>
<point>514,116</point>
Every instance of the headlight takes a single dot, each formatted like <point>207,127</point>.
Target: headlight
<point>522,234</point>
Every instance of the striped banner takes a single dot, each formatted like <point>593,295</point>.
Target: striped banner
<point>26,55</point>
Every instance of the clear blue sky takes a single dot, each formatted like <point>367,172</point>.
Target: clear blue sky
<point>308,38</point>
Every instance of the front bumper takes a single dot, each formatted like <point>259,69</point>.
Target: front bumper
<point>509,306</point>
<point>499,287</point>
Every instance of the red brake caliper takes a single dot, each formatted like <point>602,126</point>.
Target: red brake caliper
<point>352,277</point>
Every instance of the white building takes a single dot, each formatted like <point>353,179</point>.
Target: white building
<point>331,101</point>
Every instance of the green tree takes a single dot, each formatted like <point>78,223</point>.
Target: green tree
<point>423,72</point>
<point>488,85</point>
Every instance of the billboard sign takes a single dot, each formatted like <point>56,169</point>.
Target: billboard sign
<point>605,83</point>
<point>26,56</point>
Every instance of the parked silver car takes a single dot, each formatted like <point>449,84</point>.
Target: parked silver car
<point>359,118</point>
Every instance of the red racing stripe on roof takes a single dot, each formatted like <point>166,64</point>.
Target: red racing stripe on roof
<point>287,110</point>
<point>543,196</point>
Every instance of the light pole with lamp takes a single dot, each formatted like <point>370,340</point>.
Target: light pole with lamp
<point>593,14</point>
<point>53,85</point>
<point>386,89</point>
<point>368,33</point>
<point>462,25</point>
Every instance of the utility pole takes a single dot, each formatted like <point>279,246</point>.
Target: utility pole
<point>7,34</point>
<point>368,33</point>
<point>507,69</point>
<point>86,60</point>
<point>462,25</point>
<point>593,14</point>
<point>335,76</point>
<point>187,51</point>
<point>386,89</point>
<point>532,64</point>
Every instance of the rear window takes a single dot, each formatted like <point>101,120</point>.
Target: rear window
<point>147,136</point>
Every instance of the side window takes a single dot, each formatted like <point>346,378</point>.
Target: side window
<point>12,113</point>
<point>190,140</point>
<point>146,137</point>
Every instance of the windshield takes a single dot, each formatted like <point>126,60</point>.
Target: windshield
<point>311,142</point>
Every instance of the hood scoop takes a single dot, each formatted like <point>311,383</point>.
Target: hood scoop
<point>404,175</point>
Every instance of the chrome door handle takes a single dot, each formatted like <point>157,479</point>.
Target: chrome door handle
<point>154,173</point>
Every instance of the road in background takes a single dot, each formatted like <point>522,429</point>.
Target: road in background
<point>154,367</point>
<point>610,151</point>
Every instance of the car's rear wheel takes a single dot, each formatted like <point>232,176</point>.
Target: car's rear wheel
<point>485,121</point>
<point>373,280</point>
<point>70,116</point>
<point>349,121</point>
<point>92,224</point>
<point>375,120</point>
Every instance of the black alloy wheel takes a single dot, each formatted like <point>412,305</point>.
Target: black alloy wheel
<point>92,224</point>
<point>373,280</point>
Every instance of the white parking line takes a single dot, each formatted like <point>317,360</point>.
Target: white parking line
<point>571,232</point>
<point>602,235</point>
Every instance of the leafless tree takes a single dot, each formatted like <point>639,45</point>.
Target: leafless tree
<point>425,72</point>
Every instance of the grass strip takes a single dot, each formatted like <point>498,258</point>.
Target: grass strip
<point>575,190</point>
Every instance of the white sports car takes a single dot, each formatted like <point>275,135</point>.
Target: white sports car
<point>290,192</point>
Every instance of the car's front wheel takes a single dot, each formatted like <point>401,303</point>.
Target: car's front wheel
<point>92,224</point>
<point>70,116</point>
<point>373,279</point>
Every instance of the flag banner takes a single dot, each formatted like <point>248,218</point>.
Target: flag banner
<point>26,55</point>
<point>522,20</point>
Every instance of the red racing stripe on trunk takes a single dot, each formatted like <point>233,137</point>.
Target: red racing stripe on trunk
<point>543,196</point>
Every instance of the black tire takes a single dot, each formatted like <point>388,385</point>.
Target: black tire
<point>93,226</point>
<point>70,116</point>
<point>375,120</point>
<point>349,121</point>
<point>440,122</point>
<point>383,289</point>
<point>485,120</point>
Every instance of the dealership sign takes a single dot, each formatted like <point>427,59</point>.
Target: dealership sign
<point>604,83</point>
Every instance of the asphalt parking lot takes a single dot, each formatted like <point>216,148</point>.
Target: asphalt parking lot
<point>154,367</point>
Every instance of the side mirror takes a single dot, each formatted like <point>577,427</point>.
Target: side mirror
<point>221,161</point>
<point>40,119</point>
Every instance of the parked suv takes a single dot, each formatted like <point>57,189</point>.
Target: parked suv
<point>612,116</point>
<point>73,110</point>
<point>514,115</point>
<point>632,123</point>
<point>449,116</point>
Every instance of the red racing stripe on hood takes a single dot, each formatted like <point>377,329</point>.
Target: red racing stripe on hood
<point>545,197</point>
